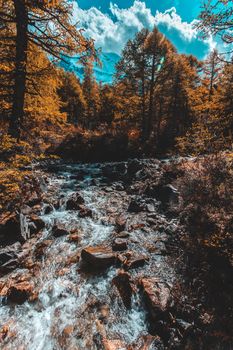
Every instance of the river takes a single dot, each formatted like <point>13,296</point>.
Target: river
<point>78,308</point>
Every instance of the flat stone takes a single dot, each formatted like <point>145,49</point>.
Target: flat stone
<point>119,244</point>
<point>59,230</point>
<point>98,257</point>
<point>135,261</point>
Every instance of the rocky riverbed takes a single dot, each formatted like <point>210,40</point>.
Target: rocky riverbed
<point>94,263</point>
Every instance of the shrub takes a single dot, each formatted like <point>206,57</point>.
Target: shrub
<point>207,201</point>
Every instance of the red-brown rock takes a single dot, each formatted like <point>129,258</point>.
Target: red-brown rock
<point>125,287</point>
<point>134,261</point>
<point>59,230</point>
<point>147,342</point>
<point>36,224</point>
<point>119,244</point>
<point>98,257</point>
<point>84,211</point>
<point>121,221</point>
<point>20,292</point>
<point>157,295</point>
<point>10,230</point>
<point>74,202</point>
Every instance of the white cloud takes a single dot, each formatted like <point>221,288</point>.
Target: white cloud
<point>111,32</point>
<point>173,21</point>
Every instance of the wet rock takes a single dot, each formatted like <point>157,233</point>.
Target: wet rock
<point>121,222</point>
<point>104,313</point>
<point>41,247</point>
<point>7,331</point>
<point>85,212</point>
<point>48,209</point>
<point>124,285</point>
<point>134,165</point>
<point>134,261</point>
<point>33,200</point>
<point>74,202</point>
<point>73,259</point>
<point>119,186</point>
<point>26,210</point>
<point>10,229</point>
<point>9,258</point>
<point>114,171</point>
<point>157,296</point>
<point>36,224</point>
<point>183,325</point>
<point>147,342</point>
<point>20,292</point>
<point>74,237</point>
<point>113,344</point>
<point>161,248</point>
<point>123,234</point>
<point>136,205</point>
<point>94,182</point>
<point>98,257</point>
<point>80,175</point>
<point>163,193</point>
<point>103,343</point>
<point>119,244</point>
<point>59,230</point>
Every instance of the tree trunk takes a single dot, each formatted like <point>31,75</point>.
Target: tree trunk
<point>144,117</point>
<point>151,99</point>
<point>21,15</point>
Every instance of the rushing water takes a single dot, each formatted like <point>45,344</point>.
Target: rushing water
<point>70,302</point>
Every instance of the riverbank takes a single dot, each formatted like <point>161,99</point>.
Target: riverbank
<point>104,264</point>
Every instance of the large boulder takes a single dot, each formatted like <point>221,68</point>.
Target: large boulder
<point>136,205</point>
<point>59,230</point>
<point>18,293</point>
<point>157,296</point>
<point>41,247</point>
<point>33,199</point>
<point>85,212</point>
<point>36,224</point>
<point>74,202</point>
<point>9,258</point>
<point>114,171</point>
<point>166,194</point>
<point>10,229</point>
<point>134,165</point>
<point>98,257</point>
<point>125,287</point>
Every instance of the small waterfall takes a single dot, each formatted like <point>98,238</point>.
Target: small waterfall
<point>24,227</point>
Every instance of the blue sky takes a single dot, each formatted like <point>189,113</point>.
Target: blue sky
<point>188,9</point>
<point>112,24</point>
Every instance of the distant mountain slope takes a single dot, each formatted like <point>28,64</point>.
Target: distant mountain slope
<point>103,73</point>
